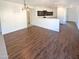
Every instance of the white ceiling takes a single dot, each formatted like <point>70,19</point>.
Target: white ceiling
<point>49,3</point>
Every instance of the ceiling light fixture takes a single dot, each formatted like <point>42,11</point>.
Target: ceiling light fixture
<point>25,6</point>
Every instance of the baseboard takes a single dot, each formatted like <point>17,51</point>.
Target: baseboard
<point>70,21</point>
<point>7,32</point>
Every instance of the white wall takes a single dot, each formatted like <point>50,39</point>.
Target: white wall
<point>77,22</point>
<point>3,52</point>
<point>0,26</point>
<point>12,17</point>
<point>61,14</point>
<point>72,14</point>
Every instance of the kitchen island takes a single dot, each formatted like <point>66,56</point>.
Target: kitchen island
<point>48,23</point>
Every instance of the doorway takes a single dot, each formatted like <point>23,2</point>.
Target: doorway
<point>0,27</point>
<point>28,18</point>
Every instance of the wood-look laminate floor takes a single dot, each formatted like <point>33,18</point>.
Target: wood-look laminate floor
<point>40,43</point>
